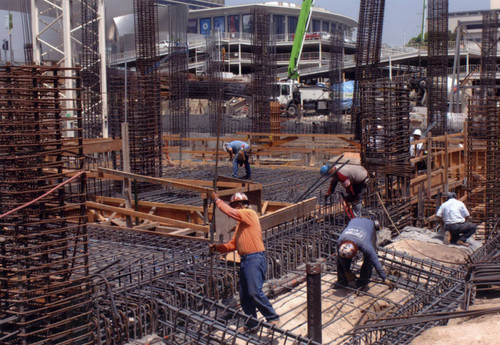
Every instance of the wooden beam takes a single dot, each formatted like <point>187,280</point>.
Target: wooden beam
<point>151,217</point>
<point>156,180</point>
<point>288,213</point>
<point>154,233</point>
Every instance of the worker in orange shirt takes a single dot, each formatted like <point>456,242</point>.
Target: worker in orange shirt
<point>247,241</point>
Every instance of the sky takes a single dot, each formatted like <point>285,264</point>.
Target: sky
<point>402,18</point>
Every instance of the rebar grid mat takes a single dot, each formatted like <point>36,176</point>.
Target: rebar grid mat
<point>263,71</point>
<point>116,99</point>
<point>144,119</point>
<point>437,68</point>
<point>91,71</point>
<point>368,46</point>
<point>215,59</point>
<point>177,66</point>
<point>483,273</point>
<point>147,284</point>
<point>44,287</point>
<point>334,121</point>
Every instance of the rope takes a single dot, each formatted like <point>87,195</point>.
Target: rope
<point>42,196</point>
<point>409,245</point>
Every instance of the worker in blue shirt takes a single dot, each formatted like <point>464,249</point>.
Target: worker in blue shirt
<point>241,152</point>
<point>360,234</point>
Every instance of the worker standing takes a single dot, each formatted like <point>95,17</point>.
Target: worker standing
<point>453,216</point>
<point>241,152</point>
<point>360,234</point>
<point>416,150</point>
<point>354,178</point>
<point>247,241</point>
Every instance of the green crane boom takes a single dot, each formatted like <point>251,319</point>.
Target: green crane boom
<point>298,40</point>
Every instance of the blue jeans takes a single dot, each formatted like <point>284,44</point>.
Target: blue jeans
<point>253,268</point>
<point>236,162</point>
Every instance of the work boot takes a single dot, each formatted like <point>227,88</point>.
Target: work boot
<point>447,237</point>
<point>462,243</point>
<point>275,323</point>
<point>246,330</point>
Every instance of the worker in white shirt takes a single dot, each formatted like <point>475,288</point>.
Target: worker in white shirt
<point>453,217</point>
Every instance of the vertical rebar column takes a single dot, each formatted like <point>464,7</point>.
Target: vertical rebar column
<point>178,72</point>
<point>437,69</point>
<point>145,118</point>
<point>368,46</point>
<point>263,70</point>
<point>116,97</point>
<point>313,270</point>
<point>44,268</point>
<point>334,121</point>
<point>214,71</point>
<point>91,71</point>
<point>483,132</point>
<point>385,144</point>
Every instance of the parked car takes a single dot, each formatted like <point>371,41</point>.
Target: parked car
<point>164,44</point>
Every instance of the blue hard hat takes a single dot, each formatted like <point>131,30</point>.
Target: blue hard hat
<point>324,169</point>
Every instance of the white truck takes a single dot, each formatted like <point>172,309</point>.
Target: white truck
<point>293,97</point>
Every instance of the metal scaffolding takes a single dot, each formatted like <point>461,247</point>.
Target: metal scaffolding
<point>483,131</point>
<point>437,65</point>
<point>44,269</point>
<point>144,119</point>
<point>263,71</point>
<point>368,46</point>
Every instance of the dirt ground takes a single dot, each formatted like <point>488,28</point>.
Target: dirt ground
<point>484,330</point>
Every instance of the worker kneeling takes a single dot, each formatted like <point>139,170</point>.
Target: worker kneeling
<point>359,235</point>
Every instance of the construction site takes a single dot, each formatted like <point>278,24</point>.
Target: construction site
<point>109,163</point>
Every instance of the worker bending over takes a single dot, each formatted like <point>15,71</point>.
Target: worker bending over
<point>354,178</point>
<point>360,234</point>
<point>247,241</point>
<point>241,152</point>
<point>453,216</point>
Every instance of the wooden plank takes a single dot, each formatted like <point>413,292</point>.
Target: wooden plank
<point>288,213</point>
<point>150,204</point>
<point>147,226</point>
<point>154,233</point>
<point>142,215</point>
<point>156,180</point>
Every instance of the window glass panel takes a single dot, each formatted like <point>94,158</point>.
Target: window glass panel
<point>292,24</point>
<point>316,25</point>
<point>246,21</point>
<point>192,26</point>
<point>278,24</point>
<point>219,24</point>
<point>205,26</point>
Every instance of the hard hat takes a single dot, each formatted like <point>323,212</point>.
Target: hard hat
<point>324,169</point>
<point>239,197</point>
<point>417,132</point>
<point>225,146</point>
<point>347,250</point>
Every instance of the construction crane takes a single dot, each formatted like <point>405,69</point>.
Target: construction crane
<point>298,40</point>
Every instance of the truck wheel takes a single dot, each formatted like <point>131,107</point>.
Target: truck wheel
<point>293,110</point>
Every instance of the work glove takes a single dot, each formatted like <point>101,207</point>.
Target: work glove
<point>390,284</point>
<point>212,248</point>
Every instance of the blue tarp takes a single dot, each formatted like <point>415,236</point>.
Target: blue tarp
<point>347,90</point>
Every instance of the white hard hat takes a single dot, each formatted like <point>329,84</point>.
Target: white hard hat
<point>417,132</point>
<point>225,146</point>
<point>239,197</point>
<point>347,249</point>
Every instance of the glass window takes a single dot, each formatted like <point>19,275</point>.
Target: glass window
<point>205,26</point>
<point>233,23</point>
<point>278,24</point>
<point>246,21</point>
<point>292,24</point>
<point>326,27</point>
<point>285,90</point>
<point>219,24</point>
<point>316,27</point>
<point>192,26</point>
